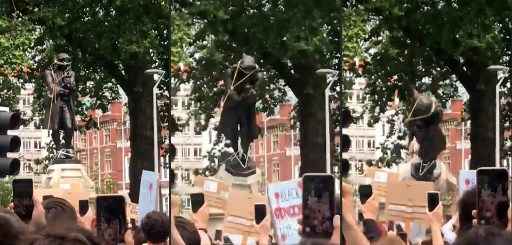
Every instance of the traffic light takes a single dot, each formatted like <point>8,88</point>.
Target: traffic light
<point>345,142</point>
<point>9,143</point>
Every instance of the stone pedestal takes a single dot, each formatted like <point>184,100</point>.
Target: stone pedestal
<point>248,184</point>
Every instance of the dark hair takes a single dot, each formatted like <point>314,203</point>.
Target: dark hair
<point>63,234</point>
<point>156,227</point>
<point>483,235</point>
<point>371,230</point>
<point>12,228</point>
<point>466,205</point>
<point>58,210</point>
<point>187,230</point>
<point>138,236</point>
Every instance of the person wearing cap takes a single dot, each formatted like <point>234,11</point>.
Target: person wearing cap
<point>59,80</point>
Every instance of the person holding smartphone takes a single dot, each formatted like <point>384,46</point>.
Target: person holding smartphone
<point>200,220</point>
<point>435,218</point>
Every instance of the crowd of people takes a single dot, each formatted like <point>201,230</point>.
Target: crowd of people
<point>55,221</point>
<point>460,229</point>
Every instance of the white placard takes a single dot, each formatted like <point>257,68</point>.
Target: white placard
<point>210,186</point>
<point>235,239</point>
<point>381,177</point>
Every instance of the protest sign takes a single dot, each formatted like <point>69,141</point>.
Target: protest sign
<point>285,200</point>
<point>380,180</point>
<point>467,180</point>
<point>215,191</point>
<point>408,200</point>
<point>239,221</point>
<point>148,193</point>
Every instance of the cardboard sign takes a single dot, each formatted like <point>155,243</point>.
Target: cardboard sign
<point>239,221</point>
<point>148,193</point>
<point>215,191</point>
<point>381,178</point>
<point>285,200</point>
<point>467,180</point>
<point>408,200</point>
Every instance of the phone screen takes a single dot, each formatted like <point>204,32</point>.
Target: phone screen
<point>492,194</point>
<point>318,205</point>
<point>218,235</point>
<point>365,192</point>
<point>111,218</point>
<point>196,201</point>
<point>260,211</point>
<point>83,207</point>
<point>432,200</point>
<point>22,192</point>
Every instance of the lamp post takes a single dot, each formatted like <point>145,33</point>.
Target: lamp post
<point>155,116</point>
<point>504,70</point>
<point>98,115</point>
<point>124,99</point>
<point>265,144</point>
<point>327,72</point>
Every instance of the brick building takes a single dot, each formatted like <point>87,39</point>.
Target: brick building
<point>101,151</point>
<point>283,160</point>
<point>107,141</point>
<point>452,129</point>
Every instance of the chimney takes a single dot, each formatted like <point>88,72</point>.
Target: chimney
<point>457,105</point>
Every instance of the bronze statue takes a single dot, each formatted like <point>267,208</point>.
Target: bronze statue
<point>238,115</point>
<point>59,80</point>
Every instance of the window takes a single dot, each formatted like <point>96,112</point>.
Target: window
<point>94,139</point>
<point>82,141</point>
<point>185,202</point>
<point>275,141</point>
<point>107,136</point>
<point>261,149</point>
<point>166,204</point>
<point>26,145</point>
<point>275,172</point>
<point>108,161</point>
<point>174,103</point>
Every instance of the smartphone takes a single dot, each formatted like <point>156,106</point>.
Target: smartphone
<point>365,192</point>
<point>196,201</point>
<point>46,197</point>
<point>260,211</point>
<point>22,193</point>
<point>391,225</point>
<point>83,207</point>
<point>133,223</point>
<point>218,235</point>
<point>111,218</point>
<point>432,200</point>
<point>403,236</point>
<point>318,205</point>
<point>492,196</point>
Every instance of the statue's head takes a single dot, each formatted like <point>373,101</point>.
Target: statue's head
<point>62,60</point>
<point>247,69</point>
<point>423,125</point>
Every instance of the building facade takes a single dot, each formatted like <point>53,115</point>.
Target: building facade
<point>34,139</point>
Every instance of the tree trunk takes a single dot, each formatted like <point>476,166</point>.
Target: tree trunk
<point>140,105</point>
<point>482,110</point>
<point>312,130</point>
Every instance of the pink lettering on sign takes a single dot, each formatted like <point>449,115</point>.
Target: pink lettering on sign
<point>292,211</point>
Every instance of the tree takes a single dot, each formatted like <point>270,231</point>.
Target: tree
<point>433,45</point>
<point>17,36</point>
<point>290,41</point>
<point>112,43</point>
<point>5,192</point>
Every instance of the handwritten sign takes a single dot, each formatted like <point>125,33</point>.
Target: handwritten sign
<point>286,207</point>
<point>148,193</point>
<point>467,180</point>
<point>210,186</point>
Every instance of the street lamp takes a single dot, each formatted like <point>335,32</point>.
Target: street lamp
<point>124,99</point>
<point>504,74</point>
<point>327,72</point>
<point>155,130</point>
<point>265,144</point>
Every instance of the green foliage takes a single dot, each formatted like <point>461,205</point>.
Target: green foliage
<point>17,36</point>
<point>5,192</point>
<point>43,163</point>
<point>289,39</point>
<point>431,45</point>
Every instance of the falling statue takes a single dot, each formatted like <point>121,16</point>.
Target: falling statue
<point>238,115</point>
